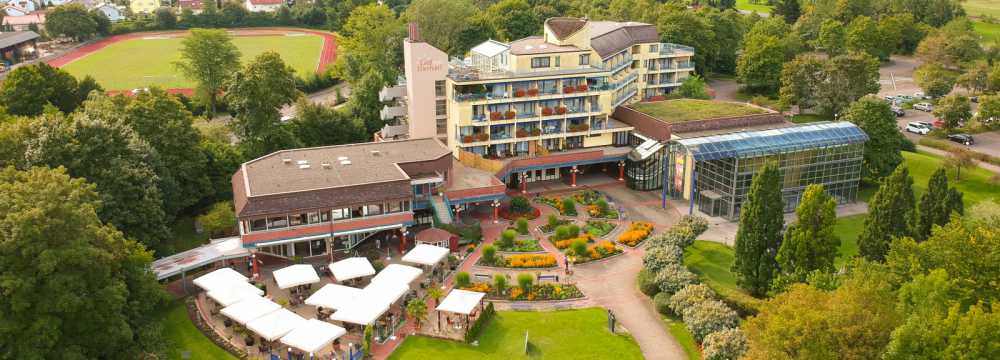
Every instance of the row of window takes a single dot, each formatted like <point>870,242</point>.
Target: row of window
<point>318,217</point>
<point>546,61</point>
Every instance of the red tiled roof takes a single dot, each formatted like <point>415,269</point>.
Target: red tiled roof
<point>267,2</point>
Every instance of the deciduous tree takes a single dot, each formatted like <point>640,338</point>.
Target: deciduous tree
<point>882,150</point>
<point>952,45</point>
<point>832,38</point>
<point>256,95</point>
<point>790,10</point>
<point>320,125</point>
<point>863,35</point>
<point>71,21</point>
<point>209,58</point>
<point>27,90</point>
<point>953,110</point>
<point>513,19</point>
<point>934,79</point>
<point>890,215</point>
<point>442,22</point>
<point>759,234</point>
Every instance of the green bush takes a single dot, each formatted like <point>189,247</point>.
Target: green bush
<point>520,205</point>
<point>689,296</point>
<point>500,283</point>
<point>524,280</point>
<point>602,206</point>
<point>562,232</point>
<point>709,316</point>
<point>569,206</point>
<point>725,344</point>
<point>462,279</point>
<point>507,239</point>
<point>579,248</point>
<point>662,303</point>
<point>489,254</point>
<point>553,221</point>
<point>696,224</point>
<point>658,257</point>
<point>574,231</point>
<point>647,283</point>
<point>674,277</point>
<point>477,327</point>
<point>522,226</point>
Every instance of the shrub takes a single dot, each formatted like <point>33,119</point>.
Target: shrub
<point>697,224</point>
<point>579,247</point>
<point>662,303</point>
<point>462,279</point>
<point>520,204</point>
<point>680,236</point>
<point>568,207</point>
<point>689,296</point>
<point>522,226</point>
<point>524,281</point>
<point>657,258</point>
<point>489,254</point>
<point>636,233</point>
<point>574,230</point>
<point>562,232</point>
<point>647,283</point>
<point>473,332</point>
<point>500,283</point>
<point>725,344</point>
<point>507,239</point>
<point>674,277</point>
<point>602,206</point>
<point>708,317</point>
<point>553,221</point>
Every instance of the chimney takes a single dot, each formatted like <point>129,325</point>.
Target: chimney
<point>414,32</point>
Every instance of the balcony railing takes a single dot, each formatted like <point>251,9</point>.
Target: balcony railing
<point>670,48</point>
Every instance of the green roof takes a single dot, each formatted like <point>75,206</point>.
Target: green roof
<point>684,110</point>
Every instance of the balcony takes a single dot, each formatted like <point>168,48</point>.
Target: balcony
<point>392,112</point>
<point>624,96</point>
<point>675,49</point>
<point>390,93</point>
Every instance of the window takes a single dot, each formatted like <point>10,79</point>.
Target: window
<point>318,247</point>
<point>357,211</point>
<point>585,59</point>
<point>297,219</point>
<point>395,207</point>
<point>314,217</point>
<point>557,61</point>
<point>339,214</point>
<point>441,107</point>
<point>258,224</point>
<point>636,49</point>
<point>375,209</point>
<point>277,222</point>
<point>540,62</point>
<point>439,88</point>
<point>654,48</point>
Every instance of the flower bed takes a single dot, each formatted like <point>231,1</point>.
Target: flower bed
<point>565,243</point>
<point>508,214</point>
<point>587,197</point>
<point>552,223</point>
<point>598,228</point>
<point>521,261</point>
<point>636,233</point>
<point>522,245</point>
<point>598,251</point>
<point>539,292</point>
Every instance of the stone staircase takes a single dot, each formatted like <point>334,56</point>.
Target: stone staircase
<point>441,209</point>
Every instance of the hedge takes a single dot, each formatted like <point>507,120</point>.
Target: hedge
<point>477,327</point>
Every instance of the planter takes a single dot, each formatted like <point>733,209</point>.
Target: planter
<point>518,93</point>
<point>509,114</point>
<point>561,110</point>
<point>495,115</point>
<point>467,139</point>
<point>546,111</point>
<point>568,90</point>
<point>532,92</point>
<point>581,87</point>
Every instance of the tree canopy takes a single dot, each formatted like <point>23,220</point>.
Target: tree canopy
<point>256,95</point>
<point>890,215</point>
<point>209,58</point>
<point>759,234</point>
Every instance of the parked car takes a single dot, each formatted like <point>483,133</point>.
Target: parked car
<point>903,98</point>
<point>918,128</point>
<point>923,106</point>
<point>897,110</point>
<point>890,98</point>
<point>921,96</point>
<point>965,139</point>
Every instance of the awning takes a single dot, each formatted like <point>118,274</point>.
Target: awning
<point>220,249</point>
<point>275,325</point>
<point>461,301</point>
<point>313,335</point>
<point>295,275</point>
<point>250,309</point>
<point>219,279</point>
<point>334,296</point>
<point>388,291</point>
<point>424,254</point>
<point>397,274</point>
<point>234,293</point>
<point>351,268</point>
<point>361,312</point>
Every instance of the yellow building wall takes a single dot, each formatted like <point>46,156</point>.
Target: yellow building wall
<point>144,6</point>
<point>603,140</point>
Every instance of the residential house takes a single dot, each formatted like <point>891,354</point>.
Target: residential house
<point>264,5</point>
<point>24,22</point>
<point>144,6</point>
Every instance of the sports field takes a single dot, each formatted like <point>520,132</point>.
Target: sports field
<point>148,60</point>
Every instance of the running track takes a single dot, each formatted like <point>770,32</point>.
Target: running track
<point>327,55</point>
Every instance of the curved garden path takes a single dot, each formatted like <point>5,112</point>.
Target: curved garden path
<point>609,283</point>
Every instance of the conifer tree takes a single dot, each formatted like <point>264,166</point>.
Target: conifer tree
<point>890,215</point>
<point>759,233</point>
<point>810,243</point>
<point>937,204</point>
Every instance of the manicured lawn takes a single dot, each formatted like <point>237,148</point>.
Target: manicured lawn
<point>808,118</point>
<point>683,336</point>
<point>981,7</point>
<point>848,228</point>
<point>674,111</point>
<point>567,334</point>
<point>713,262</point>
<point>990,32</point>
<point>143,62</point>
<point>760,6</point>
<point>184,337</point>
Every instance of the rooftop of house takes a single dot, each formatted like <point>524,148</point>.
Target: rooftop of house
<point>267,2</point>
<point>537,45</point>
<point>685,110</point>
<point>326,167</point>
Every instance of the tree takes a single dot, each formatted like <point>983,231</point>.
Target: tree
<point>165,18</point>
<point>759,65</point>
<point>161,120</point>
<point>890,215</point>
<point>952,45</point>
<point>862,35</point>
<point>435,293</point>
<point>953,110</point>
<point>54,249</point>
<point>102,22</point>
<point>209,58</point>
<point>790,10</point>
<point>936,205</point>
<point>958,159</point>
<point>810,243</point>
<point>256,95</point>
<point>800,79</point>
<point>85,87</point>
<point>442,22</point>
<point>882,150</point>
<point>934,79</point>
<point>728,28</point>
<point>759,234</point>
<point>417,309</point>
<point>948,335</point>
<point>847,78</point>
<point>904,31</point>
<point>687,27</point>
<point>219,220</point>
<point>369,41</point>
<point>320,125</point>
<point>932,12</point>
<point>989,110</point>
<point>693,88</point>
<point>71,21</point>
<point>96,145</point>
<point>832,38</point>
<point>28,89</point>
<point>513,19</point>
<point>975,78</point>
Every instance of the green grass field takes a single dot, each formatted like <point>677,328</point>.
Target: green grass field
<point>681,110</point>
<point>989,32</point>
<point>982,7</point>
<point>760,7</point>
<point>142,62</point>
<point>567,334</point>
<point>184,337</point>
<point>683,336</point>
<point>712,262</point>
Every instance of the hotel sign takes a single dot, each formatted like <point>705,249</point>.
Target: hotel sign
<point>425,65</point>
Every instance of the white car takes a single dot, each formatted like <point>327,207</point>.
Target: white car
<point>918,128</point>
<point>923,107</point>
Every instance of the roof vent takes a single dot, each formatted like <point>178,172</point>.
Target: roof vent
<point>286,161</point>
<point>302,162</point>
<point>345,162</point>
<point>376,153</point>
<point>326,165</point>
<point>341,158</point>
<point>304,166</point>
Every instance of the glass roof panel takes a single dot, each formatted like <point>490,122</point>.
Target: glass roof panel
<point>772,141</point>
